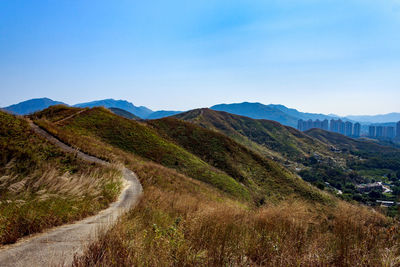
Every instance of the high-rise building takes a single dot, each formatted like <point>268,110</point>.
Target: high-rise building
<point>389,132</point>
<point>300,125</point>
<point>379,131</point>
<point>317,124</point>
<point>334,126</point>
<point>309,124</point>
<point>348,128</point>
<point>372,131</point>
<point>398,129</point>
<point>325,125</point>
<point>357,130</point>
<point>341,126</point>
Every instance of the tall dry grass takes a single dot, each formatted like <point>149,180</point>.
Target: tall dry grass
<point>46,198</point>
<point>183,222</point>
<point>175,225</point>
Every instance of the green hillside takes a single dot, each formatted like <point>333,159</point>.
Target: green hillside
<point>373,158</point>
<point>41,186</point>
<point>198,153</point>
<point>349,144</point>
<point>182,221</point>
<point>318,156</point>
<point>267,137</point>
<point>124,113</point>
<point>260,173</point>
<point>135,137</point>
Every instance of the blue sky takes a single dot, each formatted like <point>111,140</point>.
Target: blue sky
<point>339,57</point>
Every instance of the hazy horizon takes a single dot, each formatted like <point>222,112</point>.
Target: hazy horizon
<point>138,105</point>
<point>331,57</point>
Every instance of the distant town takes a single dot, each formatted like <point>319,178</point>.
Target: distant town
<point>350,129</point>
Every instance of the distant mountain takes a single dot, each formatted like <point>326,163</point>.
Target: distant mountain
<point>390,117</point>
<point>31,106</point>
<point>141,111</point>
<point>162,114</point>
<point>124,113</point>
<point>279,113</point>
<point>258,111</point>
<point>302,115</point>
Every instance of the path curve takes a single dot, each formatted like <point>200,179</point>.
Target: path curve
<point>57,246</point>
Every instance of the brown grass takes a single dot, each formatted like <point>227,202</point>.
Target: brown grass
<point>41,186</point>
<point>184,222</point>
<point>45,198</point>
<point>175,225</point>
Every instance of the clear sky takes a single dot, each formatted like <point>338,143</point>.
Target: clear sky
<point>325,56</point>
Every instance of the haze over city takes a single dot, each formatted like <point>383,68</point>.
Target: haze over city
<point>338,57</point>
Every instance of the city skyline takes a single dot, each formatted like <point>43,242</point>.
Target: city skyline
<point>351,129</point>
<point>339,57</point>
<point>334,125</point>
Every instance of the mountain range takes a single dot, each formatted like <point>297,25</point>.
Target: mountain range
<point>280,113</point>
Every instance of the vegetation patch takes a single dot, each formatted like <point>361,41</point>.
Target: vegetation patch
<point>41,186</point>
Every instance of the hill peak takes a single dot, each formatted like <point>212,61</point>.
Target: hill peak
<point>140,111</point>
<point>32,105</point>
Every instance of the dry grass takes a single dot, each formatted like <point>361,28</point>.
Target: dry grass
<point>47,180</point>
<point>184,222</point>
<point>44,198</point>
<point>177,225</point>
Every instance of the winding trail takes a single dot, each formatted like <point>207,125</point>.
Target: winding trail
<point>57,246</point>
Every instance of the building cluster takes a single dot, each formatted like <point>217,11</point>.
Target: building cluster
<point>303,125</point>
<point>365,188</point>
<point>383,131</point>
<point>338,126</point>
<point>349,129</point>
<point>398,130</point>
<point>377,186</point>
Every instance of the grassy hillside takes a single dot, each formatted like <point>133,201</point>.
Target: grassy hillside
<point>371,155</point>
<point>349,144</point>
<point>366,157</point>
<point>182,221</point>
<point>259,173</point>
<point>41,186</point>
<point>258,111</point>
<point>196,152</point>
<point>318,156</point>
<point>135,137</point>
<point>267,137</point>
<point>124,113</point>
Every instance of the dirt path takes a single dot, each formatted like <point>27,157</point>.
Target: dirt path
<point>69,117</point>
<point>57,246</point>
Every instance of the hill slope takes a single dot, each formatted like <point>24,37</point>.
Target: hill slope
<point>41,186</point>
<point>181,221</point>
<point>258,111</point>
<point>31,106</point>
<point>124,113</point>
<point>347,143</point>
<point>267,137</point>
<point>235,159</point>
<point>162,114</point>
<point>135,137</point>
<point>318,156</point>
<point>253,176</point>
<point>141,111</point>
